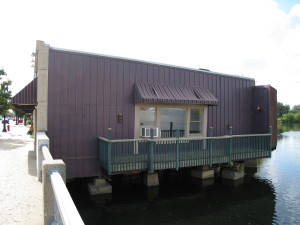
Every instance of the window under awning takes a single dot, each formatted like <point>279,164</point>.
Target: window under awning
<point>26,99</point>
<point>163,93</point>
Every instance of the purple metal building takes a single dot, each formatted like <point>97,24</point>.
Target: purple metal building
<point>89,93</point>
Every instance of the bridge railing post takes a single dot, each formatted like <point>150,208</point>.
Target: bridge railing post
<point>271,134</point>
<point>109,166</point>
<point>41,140</point>
<point>211,132</point>
<point>230,145</point>
<point>150,152</point>
<point>177,150</point>
<point>49,198</point>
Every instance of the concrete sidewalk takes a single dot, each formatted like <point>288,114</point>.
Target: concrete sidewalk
<point>20,190</point>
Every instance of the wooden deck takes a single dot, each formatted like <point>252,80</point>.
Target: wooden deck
<point>122,156</point>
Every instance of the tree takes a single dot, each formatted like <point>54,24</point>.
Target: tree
<point>297,117</point>
<point>288,118</point>
<point>19,113</point>
<point>282,109</point>
<point>295,109</point>
<point>2,73</point>
<point>5,97</point>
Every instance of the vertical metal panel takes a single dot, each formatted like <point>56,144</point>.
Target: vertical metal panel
<point>150,77</point>
<point>177,77</point>
<point>86,80</point>
<point>144,73</point>
<point>119,125</point>
<point>126,84</point>
<point>64,130</point>
<point>113,82</point>
<point>106,81</point>
<point>156,74</point>
<point>260,117</point>
<point>273,114</point>
<point>120,83</point>
<point>72,131</point>
<point>94,81</point>
<point>86,143</point>
<point>79,80</point>
<point>161,76</point>
<point>65,79</point>
<point>72,73</point>
<point>132,80</point>
<point>100,81</point>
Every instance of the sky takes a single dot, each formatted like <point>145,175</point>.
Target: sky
<point>252,38</point>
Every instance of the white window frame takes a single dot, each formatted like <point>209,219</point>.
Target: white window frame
<point>188,108</point>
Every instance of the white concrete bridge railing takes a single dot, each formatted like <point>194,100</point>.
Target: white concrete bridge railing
<point>59,207</point>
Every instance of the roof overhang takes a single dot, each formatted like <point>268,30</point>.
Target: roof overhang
<point>163,93</point>
<point>26,99</point>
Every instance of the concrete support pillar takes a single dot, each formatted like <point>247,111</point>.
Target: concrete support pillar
<point>203,172</point>
<point>232,174</point>
<point>99,186</point>
<point>250,167</point>
<point>151,179</point>
<point>250,163</point>
<point>48,195</point>
<point>216,168</point>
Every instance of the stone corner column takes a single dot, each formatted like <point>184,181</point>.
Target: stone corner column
<point>41,70</point>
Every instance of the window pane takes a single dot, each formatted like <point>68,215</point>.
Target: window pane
<point>172,119</point>
<point>196,114</point>
<point>195,127</point>
<point>147,116</point>
<point>196,118</point>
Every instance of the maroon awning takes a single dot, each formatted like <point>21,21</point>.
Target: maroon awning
<point>27,97</point>
<point>162,93</point>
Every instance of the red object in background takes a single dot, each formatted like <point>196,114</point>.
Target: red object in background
<point>20,121</point>
<point>8,127</point>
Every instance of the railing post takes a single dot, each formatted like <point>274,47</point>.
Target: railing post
<point>150,153</point>
<point>271,134</point>
<point>230,144</point>
<point>49,198</point>
<point>109,151</point>
<point>41,140</point>
<point>211,133</point>
<point>177,150</point>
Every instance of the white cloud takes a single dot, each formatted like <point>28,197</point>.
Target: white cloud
<point>249,37</point>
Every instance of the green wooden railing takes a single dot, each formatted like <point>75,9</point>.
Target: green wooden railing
<point>120,156</point>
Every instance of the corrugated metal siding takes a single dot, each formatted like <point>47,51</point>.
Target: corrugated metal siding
<point>261,117</point>
<point>273,114</point>
<point>266,98</point>
<point>87,92</point>
<point>27,96</point>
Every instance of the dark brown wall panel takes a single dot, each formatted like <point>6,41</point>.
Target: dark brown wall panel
<point>87,92</point>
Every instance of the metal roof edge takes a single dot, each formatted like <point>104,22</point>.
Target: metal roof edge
<point>149,62</point>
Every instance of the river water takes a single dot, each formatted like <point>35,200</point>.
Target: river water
<point>271,196</point>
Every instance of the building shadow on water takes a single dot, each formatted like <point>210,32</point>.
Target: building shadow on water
<point>180,199</point>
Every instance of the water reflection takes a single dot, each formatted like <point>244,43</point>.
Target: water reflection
<point>288,127</point>
<point>283,170</point>
<point>182,201</point>
<point>272,196</point>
